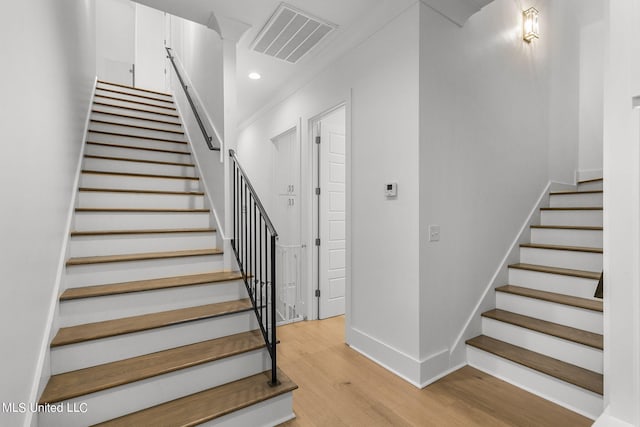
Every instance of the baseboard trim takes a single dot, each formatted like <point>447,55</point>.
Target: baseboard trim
<point>41,375</point>
<point>608,420</point>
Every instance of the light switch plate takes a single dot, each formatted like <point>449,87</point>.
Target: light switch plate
<point>434,233</point>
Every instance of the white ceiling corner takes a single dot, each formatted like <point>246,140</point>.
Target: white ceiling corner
<point>457,11</point>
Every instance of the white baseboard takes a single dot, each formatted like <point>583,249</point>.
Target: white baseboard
<point>608,420</point>
<point>43,370</point>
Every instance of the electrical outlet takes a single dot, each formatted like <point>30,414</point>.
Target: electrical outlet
<point>434,233</point>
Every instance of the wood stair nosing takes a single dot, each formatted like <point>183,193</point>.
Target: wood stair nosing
<point>132,147</point>
<point>149,285</point>
<point>574,208</point>
<point>562,248</point>
<point>583,378</point>
<point>127,325</point>
<point>128,135</point>
<point>104,82</point>
<point>149,256</point>
<point>91,233</point>
<point>104,122</point>
<point>567,300</point>
<point>208,405</point>
<point>578,336</point>
<point>121,92</point>
<point>567,227</point>
<point>122,107</point>
<point>140,175</point>
<point>570,193</point>
<point>78,383</point>
<point>148,104</point>
<point>142,210</point>
<point>591,180</point>
<point>125,159</point>
<point>557,270</point>
<point>127,116</point>
<point>134,191</point>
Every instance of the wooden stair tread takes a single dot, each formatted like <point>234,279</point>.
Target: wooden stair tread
<point>554,329</point>
<point>140,175</point>
<point>132,147</point>
<point>121,92</point>
<point>144,231</point>
<point>578,208</point>
<point>128,116</point>
<point>148,104</point>
<point>142,210</point>
<point>208,405</point>
<point>567,227</point>
<point>142,110</point>
<point>149,285</point>
<point>564,193</point>
<point>141,256</point>
<point>126,190</point>
<point>557,270</point>
<point>562,248</point>
<point>97,378</point>
<point>104,122</point>
<point>567,372</point>
<point>569,300</point>
<point>128,135</point>
<point>144,322</point>
<point>104,82</point>
<point>125,159</point>
<point>591,180</point>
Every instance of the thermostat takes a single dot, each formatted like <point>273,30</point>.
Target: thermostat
<point>391,189</point>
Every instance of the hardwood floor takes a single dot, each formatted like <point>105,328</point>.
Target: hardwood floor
<point>340,387</point>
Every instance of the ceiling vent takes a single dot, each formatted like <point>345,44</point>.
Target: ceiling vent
<point>290,34</point>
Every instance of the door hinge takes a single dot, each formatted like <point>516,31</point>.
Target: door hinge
<point>317,242</point>
<point>318,191</point>
<point>318,139</point>
<point>317,293</point>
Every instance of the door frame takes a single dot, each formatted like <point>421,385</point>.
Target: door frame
<point>312,177</point>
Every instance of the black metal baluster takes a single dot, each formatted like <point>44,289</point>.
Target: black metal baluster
<point>274,375</point>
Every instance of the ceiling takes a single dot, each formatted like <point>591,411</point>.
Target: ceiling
<point>355,20</point>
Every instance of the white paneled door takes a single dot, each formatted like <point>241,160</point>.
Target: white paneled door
<point>332,215</point>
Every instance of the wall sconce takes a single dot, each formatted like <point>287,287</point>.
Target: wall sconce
<point>530,25</point>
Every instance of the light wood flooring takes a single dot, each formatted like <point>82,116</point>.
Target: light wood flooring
<point>340,387</point>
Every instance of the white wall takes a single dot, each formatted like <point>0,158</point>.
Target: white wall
<point>483,159</point>
<point>115,40</point>
<point>380,77</point>
<point>46,80</point>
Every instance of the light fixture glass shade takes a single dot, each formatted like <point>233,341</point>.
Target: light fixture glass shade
<point>530,25</point>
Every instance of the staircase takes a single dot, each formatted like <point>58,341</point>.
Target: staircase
<point>152,330</point>
<point>545,334</point>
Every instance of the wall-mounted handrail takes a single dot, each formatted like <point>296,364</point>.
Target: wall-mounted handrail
<point>254,245</point>
<point>208,138</point>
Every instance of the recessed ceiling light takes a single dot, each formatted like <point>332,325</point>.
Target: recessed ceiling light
<point>255,76</point>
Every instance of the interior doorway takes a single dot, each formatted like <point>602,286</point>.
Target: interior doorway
<point>329,138</point>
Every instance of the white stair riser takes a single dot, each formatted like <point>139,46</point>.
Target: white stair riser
<point>90,221</point>
<point>130,153</point>
<point>586,238</point>
<point>130,101</point>
<point>83,246</point>
<point>558,348</point>
<point>115,128</point>
<point>134,91</point>
<point>591,186</point>
<point>91,180</point>
<point>568,285</point>
<point>580,318</point>
<point>270,413</point>
<point>139,96</point>
<point>136,142</point>
<point>569,217</point>
<point>137,167</point>
<point>575,260</point>
<point>82,355</point>
<point>122,400</point>
<point>137,120</point>
<point>138,110</point>
<point>97,199</point>
<point>575,200</point>
<point>97,309</point>
<point>565,394</point>
<point>116,272</point>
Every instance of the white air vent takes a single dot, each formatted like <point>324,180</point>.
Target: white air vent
<point>290,34</point>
